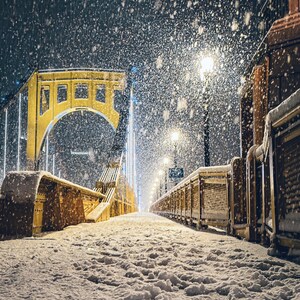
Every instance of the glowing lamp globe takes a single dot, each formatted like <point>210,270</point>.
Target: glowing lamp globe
<point>207,64</point>
<point>175,136</point>
<point>166,161</point>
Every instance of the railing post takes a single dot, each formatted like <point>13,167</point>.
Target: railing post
<point>251,196</point>
<point>274,207</point>
<point>237,197</point>
<point>199,224</point>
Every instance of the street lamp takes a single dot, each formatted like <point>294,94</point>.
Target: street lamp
<point>166,162</point>
<point>207,66</point>
<point>160,173</point>
<point>175,137</point>
<point>157,187</point>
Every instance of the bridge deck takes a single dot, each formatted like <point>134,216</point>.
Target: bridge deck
<point>141,255</point>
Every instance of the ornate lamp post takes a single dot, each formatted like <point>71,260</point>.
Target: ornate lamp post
<point>160,173</point>
<point>166,162</point>
<point>175,137</point>
<point>207,66</point>
<point>157,188</point>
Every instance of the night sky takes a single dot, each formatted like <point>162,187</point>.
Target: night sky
<point>165,41</point>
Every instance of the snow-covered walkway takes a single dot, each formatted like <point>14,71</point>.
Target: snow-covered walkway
<point>142,256</point>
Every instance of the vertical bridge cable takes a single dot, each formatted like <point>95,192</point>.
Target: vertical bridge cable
<point>19,132</point>
<point>5,142</point>
<point>47,151</point>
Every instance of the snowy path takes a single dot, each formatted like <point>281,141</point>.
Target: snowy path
<point>142,256</point>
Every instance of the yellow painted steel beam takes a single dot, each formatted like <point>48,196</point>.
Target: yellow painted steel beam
<point>31,122</point>
<point>44,109</point>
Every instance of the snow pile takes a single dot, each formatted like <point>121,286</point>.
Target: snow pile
<point>142,256</point>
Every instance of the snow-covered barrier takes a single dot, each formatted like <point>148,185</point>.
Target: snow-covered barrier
<point>275,193</point>
<point>257,199</point>
<point>202,198</point>
<point>119,197</point>
<point>270,137</point>
<point>32,202</point>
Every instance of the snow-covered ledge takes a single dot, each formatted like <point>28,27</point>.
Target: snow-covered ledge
<point>204,171</point>
<point>276,117</point>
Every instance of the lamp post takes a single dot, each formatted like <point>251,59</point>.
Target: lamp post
<point>166,162</point>
<point>160,173</point>
<point>175,138</point>
<point>157,187</point>
<point>207,66</point>
<point>153,192</point>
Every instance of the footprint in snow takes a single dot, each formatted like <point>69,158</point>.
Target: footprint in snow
<point>153,255</point>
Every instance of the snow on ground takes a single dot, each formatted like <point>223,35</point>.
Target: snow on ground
<point>142,256</point>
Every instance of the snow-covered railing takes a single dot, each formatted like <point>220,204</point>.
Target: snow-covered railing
<point>32,202</point>
<point>35,201</point>
<point>202,171</point>
<point>108,183</point>
<point>288,109</point>
<point>277,193</point>
<point>201,198</point>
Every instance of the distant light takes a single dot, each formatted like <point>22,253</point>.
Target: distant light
<point>207,64</point>
<point>166,160</point>
<point>134,69</point>
<point>17,82</point>
<point>175,136</point>
<point>160,172</point>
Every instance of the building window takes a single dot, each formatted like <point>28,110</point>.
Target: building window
<point>100,93</point>
<point>81,91</point>
<point>44,99</point>
<point>62,91</point>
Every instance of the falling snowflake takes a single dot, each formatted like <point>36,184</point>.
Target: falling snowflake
<point>181,104</point>
<point>234,25</point>
<point>159,62</point>
<point>166,115</point>
<point>247,18</point>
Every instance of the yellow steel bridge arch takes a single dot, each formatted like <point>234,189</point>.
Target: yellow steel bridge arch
<point>55,93</point>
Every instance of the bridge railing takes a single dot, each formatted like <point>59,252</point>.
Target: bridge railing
<point>32,202</point>
<point>257,198</point>
<point>119,196</point>
<point>272,178</point>
<point>13,133</point>
<point>204,198</point>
